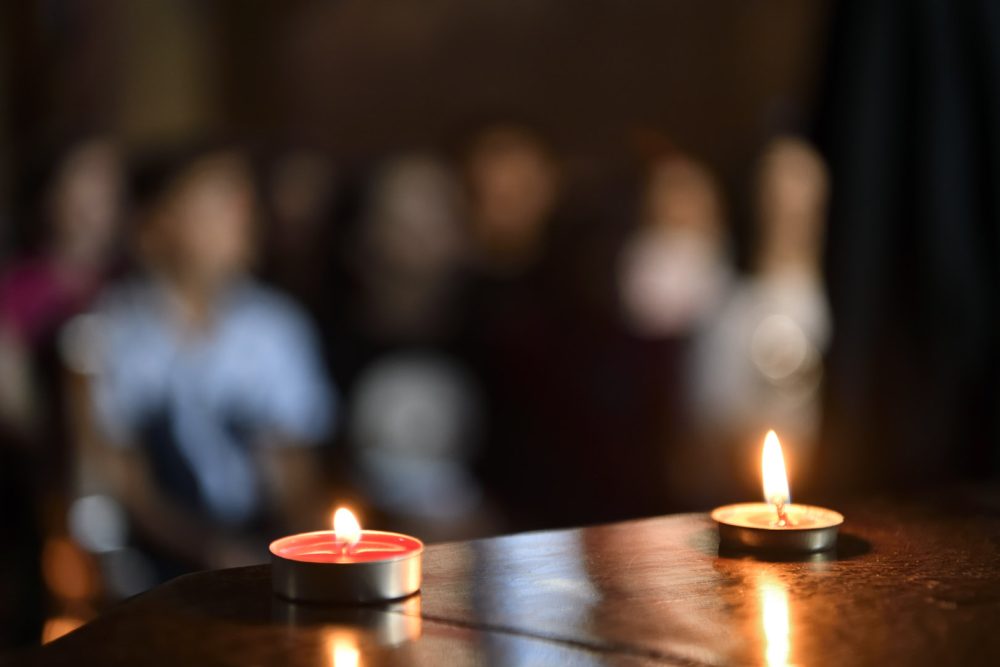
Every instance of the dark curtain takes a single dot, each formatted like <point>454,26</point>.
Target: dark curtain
<point>910,122</point>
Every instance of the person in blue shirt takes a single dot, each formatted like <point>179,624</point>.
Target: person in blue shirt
<point>208,387</point>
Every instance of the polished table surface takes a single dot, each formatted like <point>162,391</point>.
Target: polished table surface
<point>910,584</point>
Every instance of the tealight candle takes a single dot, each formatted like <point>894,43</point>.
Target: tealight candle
<point>777,524</point>
<point>346,564</point>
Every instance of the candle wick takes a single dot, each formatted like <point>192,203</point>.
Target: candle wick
<point>779,507</point>
<point>346,547</point>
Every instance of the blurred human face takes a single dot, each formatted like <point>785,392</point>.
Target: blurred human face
<point>415,228</point>
<point>204,227</point>
<point>85,203</point>
<point>514,186</point>
<point>681,194</point>
<point>793,181</point>
<point>792,193</point>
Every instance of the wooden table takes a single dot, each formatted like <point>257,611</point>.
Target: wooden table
<point>909,585</point>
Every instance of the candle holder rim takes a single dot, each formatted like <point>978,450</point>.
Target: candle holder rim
<point>418,550</point>
<point>837,519</point>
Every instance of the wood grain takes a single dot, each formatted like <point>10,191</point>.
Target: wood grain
<point>910,584</point>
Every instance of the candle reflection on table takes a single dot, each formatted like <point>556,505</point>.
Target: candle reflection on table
<point>343,649</point>
<point>346,633</point>
<point>775,620</point>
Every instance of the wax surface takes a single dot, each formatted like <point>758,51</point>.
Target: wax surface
<point>322,547</point>
<point>763,515</point>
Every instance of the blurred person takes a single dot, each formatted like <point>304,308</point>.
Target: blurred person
<point>759,365</point>
<point>571,400</point>
<point>674,270</point>
<point>673,275</point>
<point>72,223</point>
<point>414,410</point>
<point>535,340</point>
<point>412,246</point>
<point>81,211</point>
<point>513,182</point>
<point>208,387</point>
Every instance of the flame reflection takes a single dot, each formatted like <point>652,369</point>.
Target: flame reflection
<point>775,620</point>
<point>343,649</point>
<point>349,634</point>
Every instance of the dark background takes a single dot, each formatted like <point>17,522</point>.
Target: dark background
<point>368,78</point>
<point>903,99</point>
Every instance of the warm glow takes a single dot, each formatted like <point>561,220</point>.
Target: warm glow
<point>774,616</point>
<point>344,650</point>
<point>69,572</point>
<point>773,471</point>
<point>346,527</point>
<point>58,626</point>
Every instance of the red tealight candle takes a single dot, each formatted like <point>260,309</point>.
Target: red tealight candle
<point>317,547</point>
<point>346,564</point>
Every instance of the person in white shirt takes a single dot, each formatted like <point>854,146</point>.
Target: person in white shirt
<point>758,363</point>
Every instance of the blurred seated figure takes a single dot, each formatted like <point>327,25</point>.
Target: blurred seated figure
<point>208,387</point>
<point>414,411</point>
<point>513,329</point>
<point>759,365</point>
<point>43,288</point>
<point>674,274</point>
<point>411,248</point>
<point>73,222</point>
<point>513,182</point>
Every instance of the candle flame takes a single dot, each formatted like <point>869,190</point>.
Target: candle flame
<point>346,527</point>
<point>773,472</point>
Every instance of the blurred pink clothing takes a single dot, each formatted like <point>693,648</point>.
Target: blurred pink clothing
<point>36,298</point>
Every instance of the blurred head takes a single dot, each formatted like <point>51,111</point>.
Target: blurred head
<point>674,271</point>
<point>792,189</point>
<point>513,181</point>
<point>198,219</point>
<point>413,226</point>
<point>682,194</point>
<point>84,202</point>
